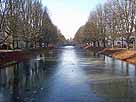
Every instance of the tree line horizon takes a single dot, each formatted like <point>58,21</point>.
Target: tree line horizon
<point>27,24</point>
<point>108,23</point>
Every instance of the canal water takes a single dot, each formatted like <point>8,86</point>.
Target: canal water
<point>68,74</point>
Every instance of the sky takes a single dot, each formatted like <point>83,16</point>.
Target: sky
<point>69,15</point>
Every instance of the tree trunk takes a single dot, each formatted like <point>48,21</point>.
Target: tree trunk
<point>98,44</point>
<point>35,44</point>
<point>113,43</point>
<point>17,44</point>
<point>122,45</point>
<point>134,44</point>
<point>127,42</point>
<point>26,45</point>
<point>47,44</point>
<point>94,44</point>
<point>104,43</point>
<point>128,45</point>
<point>13,43</point>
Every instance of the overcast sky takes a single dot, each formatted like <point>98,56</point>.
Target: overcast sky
<point>69,15</point>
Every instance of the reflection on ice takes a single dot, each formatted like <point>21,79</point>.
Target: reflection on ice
<point>68,75</point>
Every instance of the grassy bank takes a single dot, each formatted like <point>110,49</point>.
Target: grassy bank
<point>117,53</point>
<point>121,54</point>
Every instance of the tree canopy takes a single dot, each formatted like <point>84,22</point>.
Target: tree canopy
<point>113,21</point>
<point>27,22</point>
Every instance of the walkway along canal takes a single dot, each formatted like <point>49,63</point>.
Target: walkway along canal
<point>68,74</point>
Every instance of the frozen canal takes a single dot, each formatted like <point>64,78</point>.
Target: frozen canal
<point>68,74</point>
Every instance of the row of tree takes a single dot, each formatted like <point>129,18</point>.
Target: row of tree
<point>26,23</point>
<point>114,21</point>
